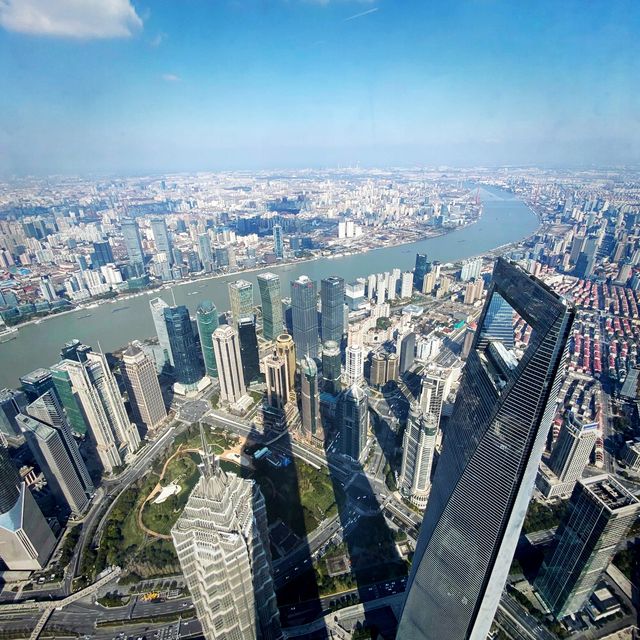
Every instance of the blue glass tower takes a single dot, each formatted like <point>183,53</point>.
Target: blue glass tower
<point>186,360</point>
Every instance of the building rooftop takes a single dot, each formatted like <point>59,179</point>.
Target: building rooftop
<point>610,492</point>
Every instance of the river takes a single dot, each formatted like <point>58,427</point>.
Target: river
<point>505,220</point>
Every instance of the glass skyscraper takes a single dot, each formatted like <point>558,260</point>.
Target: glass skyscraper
<point>161,237</point>
<point>271,299</point>
<point>249,354</point>
<point>332,302</point>
<point>186,362</point>
<point>240,300</point>
<point>420,271</point>
<point>304,313</point>
<point>278,241</point>
<point>208,322</point>
<point>133,245</point>
<point>484,477</point>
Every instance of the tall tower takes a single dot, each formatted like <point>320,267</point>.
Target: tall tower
<point>432,396</point>
<point>222,543</point>
<point>378,370</point>
<point>186,361</point>
<point>286,348</point>
<point>26,540</point>
<point>97,392</point>
<point>161,238</point>
<point>143,388</point>
<point>352,416</point>
<point>240,300</point>
<point>133,245</point>
<point>205,252</point>
<point>332,303</point>
<point>208,321</point>
<point>226,346</point>
<point>600,513</point>
<point>331,368</point>
<point>158,305</point>
<point>354,365</point>
<point>277,381</point>
<point>271,298</point>
<point>48,409</point>
<point>421,269</point>
<point>407,351</point>
<point>500,421</point>
<point>249,354</point>
<point>418,447</point>
<point>304,313</point>
<point>310,397</point>
<point>56,464</point>
<point>569,457</point>
<point>278,241</point>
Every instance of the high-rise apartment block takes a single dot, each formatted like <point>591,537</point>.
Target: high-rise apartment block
<point>599,515</point>
<point>271,299</point>
<point>500,421</point>
<point>143,388</point>
<point>304,311</point>
<point>406,285</point>
<point>222,543</point>
<point>354,369</point>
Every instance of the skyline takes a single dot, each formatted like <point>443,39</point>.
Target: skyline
<point>118,87</point>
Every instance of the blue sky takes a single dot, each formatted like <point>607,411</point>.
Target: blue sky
<point>152,85</point>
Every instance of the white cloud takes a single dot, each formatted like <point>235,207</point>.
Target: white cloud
<point>171,77</point>
<point>83,19</point>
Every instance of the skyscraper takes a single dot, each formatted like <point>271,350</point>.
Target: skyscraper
<point>205,252</point>
<point>271,299</point>
<point>143,388</point>
<point>161,238</point>
<point>97,391</point>
<point>332,303</point>
<point>286,348</point>
<point>48,409</point>
<point>186,362</point>
<point>406,286</point>
<point>102,254</point>
<point>278,241</point>
<point>599,515</point>
<point>304,310</point>
<point>407,351</point>
<point>418,447</point>
<point>36,383</point>
<point>352,418</point>
<point>133,245</point>
<point>421,269</point>
<point>240,300</point>
<point>249,354</point>
<point>11,404</point>
<point>500,421</point>
<point>226,346</point>
<point>158,305</point>
<point>331,368</point>
<point>26,540</point>
<point>433,394</point>
<point>208,321</point>
<point>378,370</point>
<point>569,457</point>
<point>354,365</point>
<point>53,459</point>
<point>222,543</point>
<point>310,398</point>
<point>277,381</point>
<point>69,399</point>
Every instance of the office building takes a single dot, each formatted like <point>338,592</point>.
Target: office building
<point>240,300</point>
<point>418,447</point>
<point>435,389</point>
<point>332,305</point>
<point>205,252</point>
<point>249,354</point>
<point>304,312</point>
<point>158,306</point>
<point>102,254</point>
<point>226,346</point>
<point>331,368</point>
<point>407,351</point>
<point>26,540</point>
<point>354,368</point>
<point>278,241</point>
<point>143,388</point>
<point>277,381</point>
<point>54,461</point>
<point>11,404</point>
<point>354,294</point>
<point>378,370</point>
<point>352,418</point>
<point>286,348</point>
<point>75,350</point>
<point>271,300</point>
<point>222,543</point>
<point>161,238</point>
<point>36,383</point>
<point>97,391</point>
<point>393,367</point>
<point>310,399</point>
<point>133,245</point>
<point>500,421</point>
<point>420,270</point>
<point>187,369</point>
<point>599,515</point>
<point>69,399</point>
<point>208,321</point>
